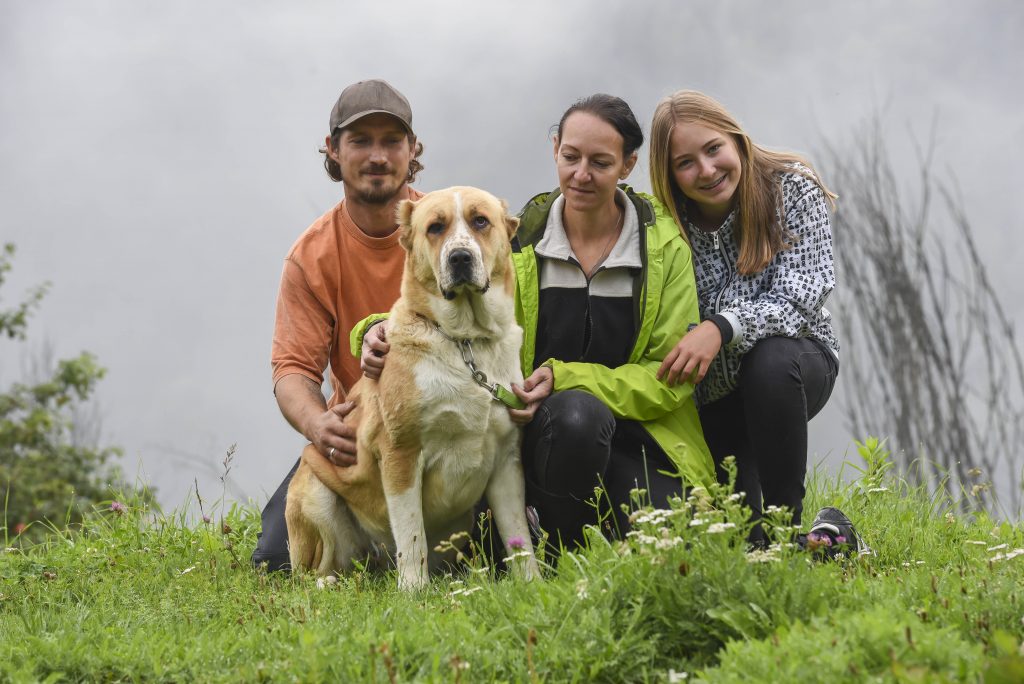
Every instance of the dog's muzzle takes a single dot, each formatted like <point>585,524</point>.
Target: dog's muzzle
<point>460,271</point>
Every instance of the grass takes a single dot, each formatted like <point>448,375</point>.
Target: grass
<point>136,595</point>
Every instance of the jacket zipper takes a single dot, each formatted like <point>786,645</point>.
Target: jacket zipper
<point>720,357</point>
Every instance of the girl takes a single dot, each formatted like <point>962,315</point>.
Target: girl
<point>765,357</point>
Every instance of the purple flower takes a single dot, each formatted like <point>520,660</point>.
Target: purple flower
<point>816,539</point>
<point>206,518</point>
<point>117,507</point>
<point>840,539</point>
<point>516,543</point>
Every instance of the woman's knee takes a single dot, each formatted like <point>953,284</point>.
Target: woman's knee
<point>579,418</point>
<point>568,443</point>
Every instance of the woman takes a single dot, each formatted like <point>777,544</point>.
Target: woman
<point>765,357</point>
<point>605,288</point>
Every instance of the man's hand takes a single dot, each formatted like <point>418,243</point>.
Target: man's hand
<point>332,437</point>
<point>375,348</point>
<point>303,404</point>
<point>692,355</point>
<point>534,390</point>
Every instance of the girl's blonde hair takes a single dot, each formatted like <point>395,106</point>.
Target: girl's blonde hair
<point>761,230</point>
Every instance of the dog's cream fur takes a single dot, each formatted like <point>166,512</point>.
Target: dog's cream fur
<point>431,441</point>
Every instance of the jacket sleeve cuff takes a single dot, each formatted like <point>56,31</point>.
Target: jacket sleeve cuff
<point>355,339</point>
<point>725,326</point>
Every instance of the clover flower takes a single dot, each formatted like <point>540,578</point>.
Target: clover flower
<point>516,542</point>
<point>117,507</point>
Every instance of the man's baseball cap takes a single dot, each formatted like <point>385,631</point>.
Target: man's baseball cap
<point>370,97</point>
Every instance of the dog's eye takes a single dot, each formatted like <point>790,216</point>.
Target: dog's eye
<point>435,228</point>
<point>480,222</point>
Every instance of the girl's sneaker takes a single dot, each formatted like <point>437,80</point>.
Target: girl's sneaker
<point>833,535</point>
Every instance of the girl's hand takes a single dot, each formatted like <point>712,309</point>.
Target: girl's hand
<point>534,390</point>
<point>692,356</point>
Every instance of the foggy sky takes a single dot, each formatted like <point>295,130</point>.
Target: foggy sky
<point>157,160</point>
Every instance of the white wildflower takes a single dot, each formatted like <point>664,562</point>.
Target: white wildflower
<point>762,556</point>
<point>655,517</point>
<point>697,522</point>
<point>647,539</point>
<point>581,589</point>
<point>663,544</point>
<point>518,554</point>
<point>718,528</point>
<point>187,570</point>
<point>1010,555</point>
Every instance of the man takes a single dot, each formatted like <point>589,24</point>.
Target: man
<point>344,267</point>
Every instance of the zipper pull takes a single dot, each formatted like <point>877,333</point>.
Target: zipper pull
<point>715,235</point>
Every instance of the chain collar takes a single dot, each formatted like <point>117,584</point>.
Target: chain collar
<point>498,392</point>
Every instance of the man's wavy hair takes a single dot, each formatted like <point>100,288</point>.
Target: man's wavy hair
<point>334,171</point>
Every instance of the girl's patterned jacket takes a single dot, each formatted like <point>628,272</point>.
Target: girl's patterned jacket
<point>786,299</point>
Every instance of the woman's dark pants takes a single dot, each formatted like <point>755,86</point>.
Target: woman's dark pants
<point>573,445</point>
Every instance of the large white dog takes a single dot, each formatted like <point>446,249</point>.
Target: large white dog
<point>432,437</point>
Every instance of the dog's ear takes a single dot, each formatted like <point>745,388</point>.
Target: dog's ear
<point>403,215</point>
<point>511,222</point>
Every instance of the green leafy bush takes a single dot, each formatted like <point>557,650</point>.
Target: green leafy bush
<point>45,475</point>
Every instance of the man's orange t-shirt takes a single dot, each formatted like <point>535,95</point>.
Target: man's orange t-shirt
<point>334,276</point>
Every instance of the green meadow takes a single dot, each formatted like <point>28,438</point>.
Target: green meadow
<point>135,595</point>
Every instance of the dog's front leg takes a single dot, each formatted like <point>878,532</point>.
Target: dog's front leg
<point>402,477</point>
<point>506,495</point>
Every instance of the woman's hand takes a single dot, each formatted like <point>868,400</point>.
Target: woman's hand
<point>692,356</point>
<point>534,390</point>
<point>375,348</point>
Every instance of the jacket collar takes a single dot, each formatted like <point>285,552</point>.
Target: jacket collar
<point>554,244</point>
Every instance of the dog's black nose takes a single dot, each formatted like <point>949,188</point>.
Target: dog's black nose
<point>460,259</point>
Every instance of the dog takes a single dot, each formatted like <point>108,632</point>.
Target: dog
<point>432,439</point>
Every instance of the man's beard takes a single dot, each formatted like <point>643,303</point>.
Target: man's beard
<point>381,193</point>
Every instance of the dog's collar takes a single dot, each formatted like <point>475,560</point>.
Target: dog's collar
<point>498,392</point>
